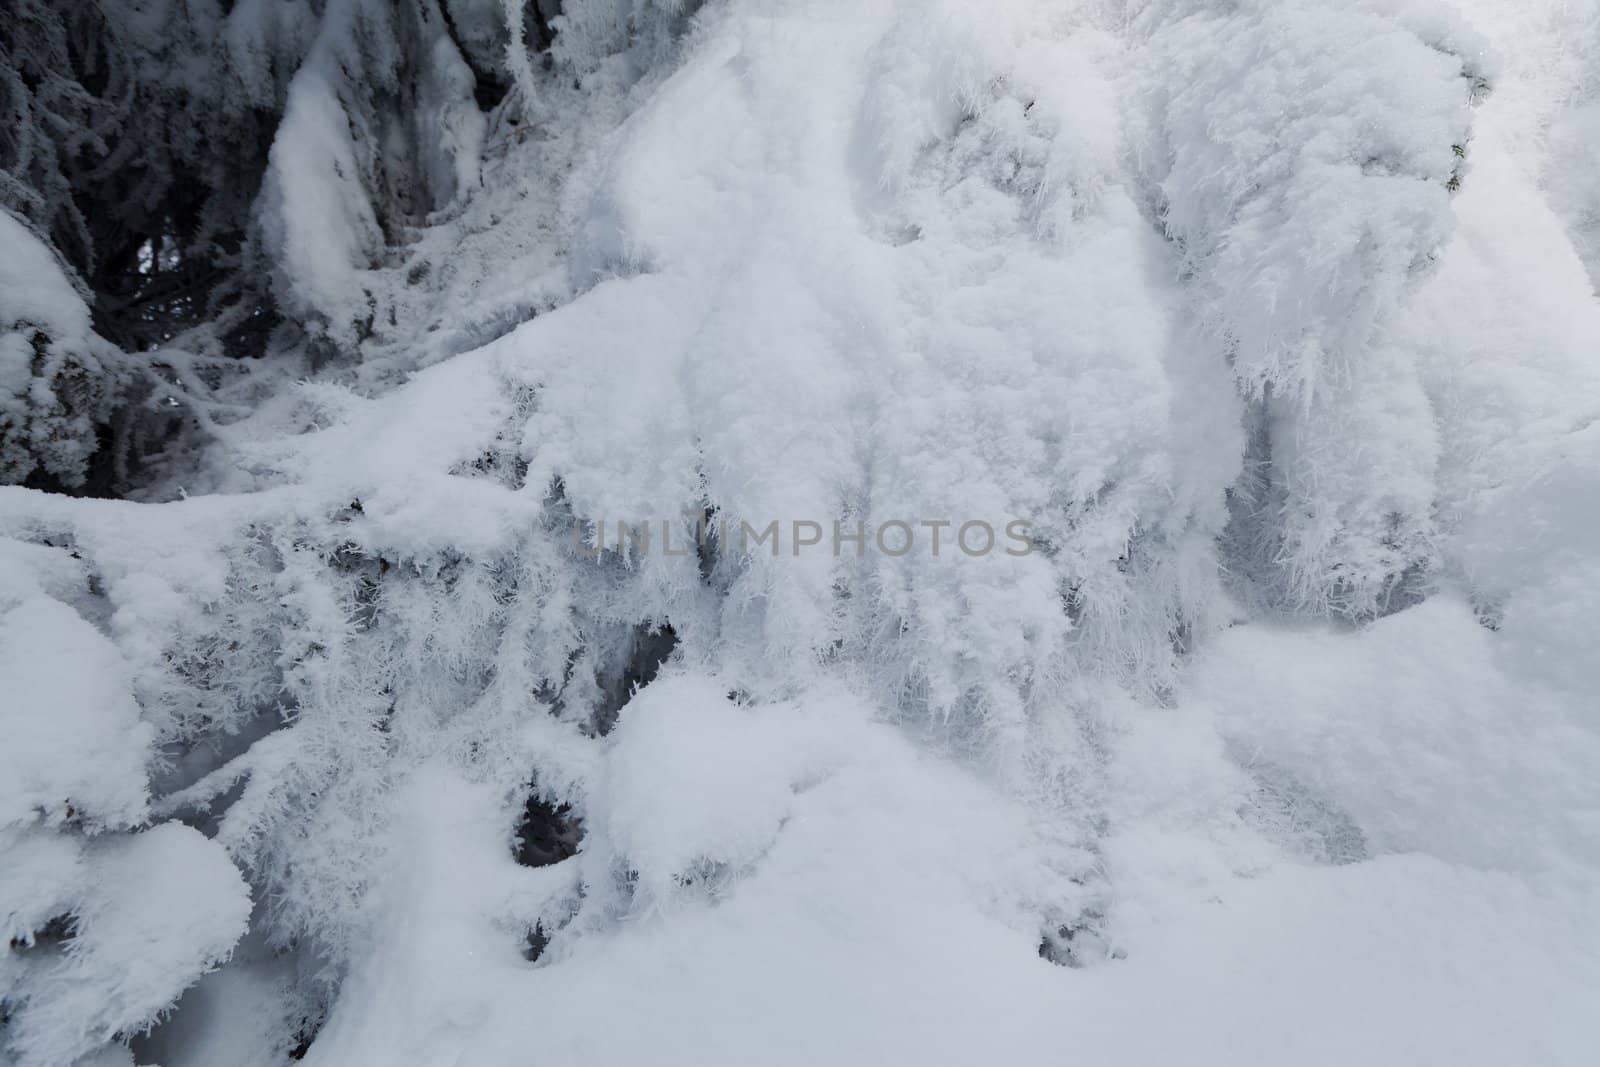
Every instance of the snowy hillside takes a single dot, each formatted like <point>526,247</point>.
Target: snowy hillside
<point>630,532</point>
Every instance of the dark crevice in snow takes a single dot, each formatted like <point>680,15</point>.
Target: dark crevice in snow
<point>53,935</point>
<point>302,1043</point>
<point>499,464</point>
<point>649,647</point>
<point>502,460</point>
<point>707,552</point>
<point>540,16</point>
<point>536,943</point>
<point>547,833</point>
<point>489,86</point>
<point>1489,613</point>
<point>1079,944</point>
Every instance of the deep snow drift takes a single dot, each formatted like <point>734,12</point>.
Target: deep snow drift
<point>1271,318</point>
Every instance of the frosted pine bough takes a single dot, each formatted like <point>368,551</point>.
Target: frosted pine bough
<point>1272,317</point>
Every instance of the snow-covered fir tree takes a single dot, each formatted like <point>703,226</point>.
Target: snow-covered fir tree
<point>757,532</point>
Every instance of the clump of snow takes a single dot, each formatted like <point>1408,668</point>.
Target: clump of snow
<point>319,223</point>
<point>58,379</point>
<point>1304,156</point>
<point>104,929</point>
<point>148,913</point>
<point>42,871</point>
<point>697,784</point>
<point>329,183</point>
<point>75,746</point>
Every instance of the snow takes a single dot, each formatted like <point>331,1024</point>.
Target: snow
<point>676,808</point>
<point>327,184</point>
<point>1276,321</point>
<point>322,227</point>
<point>1291,853</point>
<point>36,289</point>
<point>235,1015</point>
<point>887,918</point>
<point>75,746</point>
<point>153,910</point>
<point>146,913</point>
<point>1416,730</point>
<point>1309,152</point>
<point>56,374</point>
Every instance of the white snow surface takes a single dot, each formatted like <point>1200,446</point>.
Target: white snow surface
<point>151,912</point>
<point>1064,260</point>
<point>67,692</point>
<point>814,888</point>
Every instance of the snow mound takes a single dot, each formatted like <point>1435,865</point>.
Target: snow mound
<point>1417,729</point>
<point>148,913</point>
<point>75,745</point>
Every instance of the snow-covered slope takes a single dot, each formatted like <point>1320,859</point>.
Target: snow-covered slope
<point>1269,319</point>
